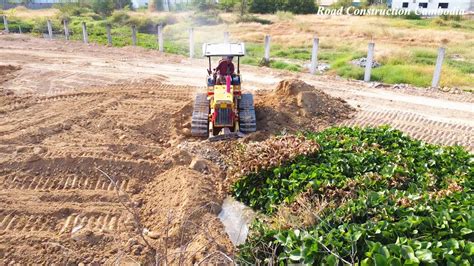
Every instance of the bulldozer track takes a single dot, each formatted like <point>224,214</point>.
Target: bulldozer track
<point>248,121</point>
<point>200,116</point>
<point>26,223</point>
<point>94,222</point>
<point>67,182</point>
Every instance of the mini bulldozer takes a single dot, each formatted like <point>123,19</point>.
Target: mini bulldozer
<point>223,112</point>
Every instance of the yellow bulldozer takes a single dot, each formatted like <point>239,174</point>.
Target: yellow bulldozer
<point>223,112</point>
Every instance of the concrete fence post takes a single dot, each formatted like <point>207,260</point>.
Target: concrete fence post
<point>66,29</point>
<point>368,63</point>
<point>84,33</point>
<point>191,43</point>
<point>226,37</point>
<point>134,35</point>
<point>266,58</point>
<point>108,31</point>
<point>160,38</point>
<point>19,29</point>
<point>50,29</point>
<point>439,64</point>
<point>314,55</point>
<point>5,24</point>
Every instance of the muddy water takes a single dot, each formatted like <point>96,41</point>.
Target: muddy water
<point>236,218</point>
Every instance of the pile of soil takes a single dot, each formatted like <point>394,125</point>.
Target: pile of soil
<point>7,72</point>
<point>180,211</point>
<point>295,105</point>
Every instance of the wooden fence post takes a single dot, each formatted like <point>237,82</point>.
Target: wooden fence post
<point>314,56</point>
<point>439,64</point>
<point>5,24</point>
<point>369,61</point>
<point>108,30</point>
<point>226,37</point>
<point>266,58</point>
<point>50,29</point>
<point>191,43</point>
<point>66,29</point>
<point>84,33</point>
<point>134,35</point>
<point>160,38</point>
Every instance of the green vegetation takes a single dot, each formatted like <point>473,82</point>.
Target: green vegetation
<point>414,66</point>
<point>377,196</point>
<point>272,6</point>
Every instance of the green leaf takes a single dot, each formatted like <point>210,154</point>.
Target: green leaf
<point>452,243</point>
<point>465,231</point>
<point>295,255</point>
<point>356,236</point>
<point>331,260</point>
<point>424,255</point>
<point>394,262</point>
<point>408,253</point>
<point>380,260</point>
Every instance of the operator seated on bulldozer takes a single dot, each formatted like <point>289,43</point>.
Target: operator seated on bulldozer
<point>225,68</point>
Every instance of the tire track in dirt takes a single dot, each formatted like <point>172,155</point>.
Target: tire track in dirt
<point>51,147</point>
<point>417,126</point>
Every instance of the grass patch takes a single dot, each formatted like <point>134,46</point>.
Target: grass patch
<point>285,65</point>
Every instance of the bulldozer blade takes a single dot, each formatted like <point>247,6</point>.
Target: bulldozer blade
<point>227,136</point>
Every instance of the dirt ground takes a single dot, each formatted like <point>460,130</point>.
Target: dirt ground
<point>95,153</point>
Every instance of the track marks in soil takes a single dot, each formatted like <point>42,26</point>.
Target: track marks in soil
<point>95,222</point>
<point>51,148</point>
<point>417,126</point>
<point>26,223</point>
<point>67,182</point>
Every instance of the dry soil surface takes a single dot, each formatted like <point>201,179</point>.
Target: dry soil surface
<point>94,152</point>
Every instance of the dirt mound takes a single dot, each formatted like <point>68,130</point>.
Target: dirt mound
<point>180,210</point>
<point>7,72</point>
<point>295,105</point>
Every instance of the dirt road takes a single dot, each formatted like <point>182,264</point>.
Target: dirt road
<point>69,111</point>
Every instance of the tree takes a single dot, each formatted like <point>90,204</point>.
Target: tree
<point>227,5</point>
<point>301,6</point>
<point>265,6</point>
<point>119,4</point>
<point>103,7</point>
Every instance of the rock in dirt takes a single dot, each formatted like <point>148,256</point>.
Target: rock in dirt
<point>199,165</point>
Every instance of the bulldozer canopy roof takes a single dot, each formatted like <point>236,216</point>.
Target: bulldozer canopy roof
<point>223,49</point>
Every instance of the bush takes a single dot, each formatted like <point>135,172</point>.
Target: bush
<point>253,18</point>
<point>294,6</point>
<point>300,6</point>
<point>411,15</point>
<point>120,4</point>
<point>342,3</point>
<point>120,17</point>
<point>103,7</point>
<point>266,6</point>
<point>204,5</point>
<point>452,17</point>
<point>228,5</point>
